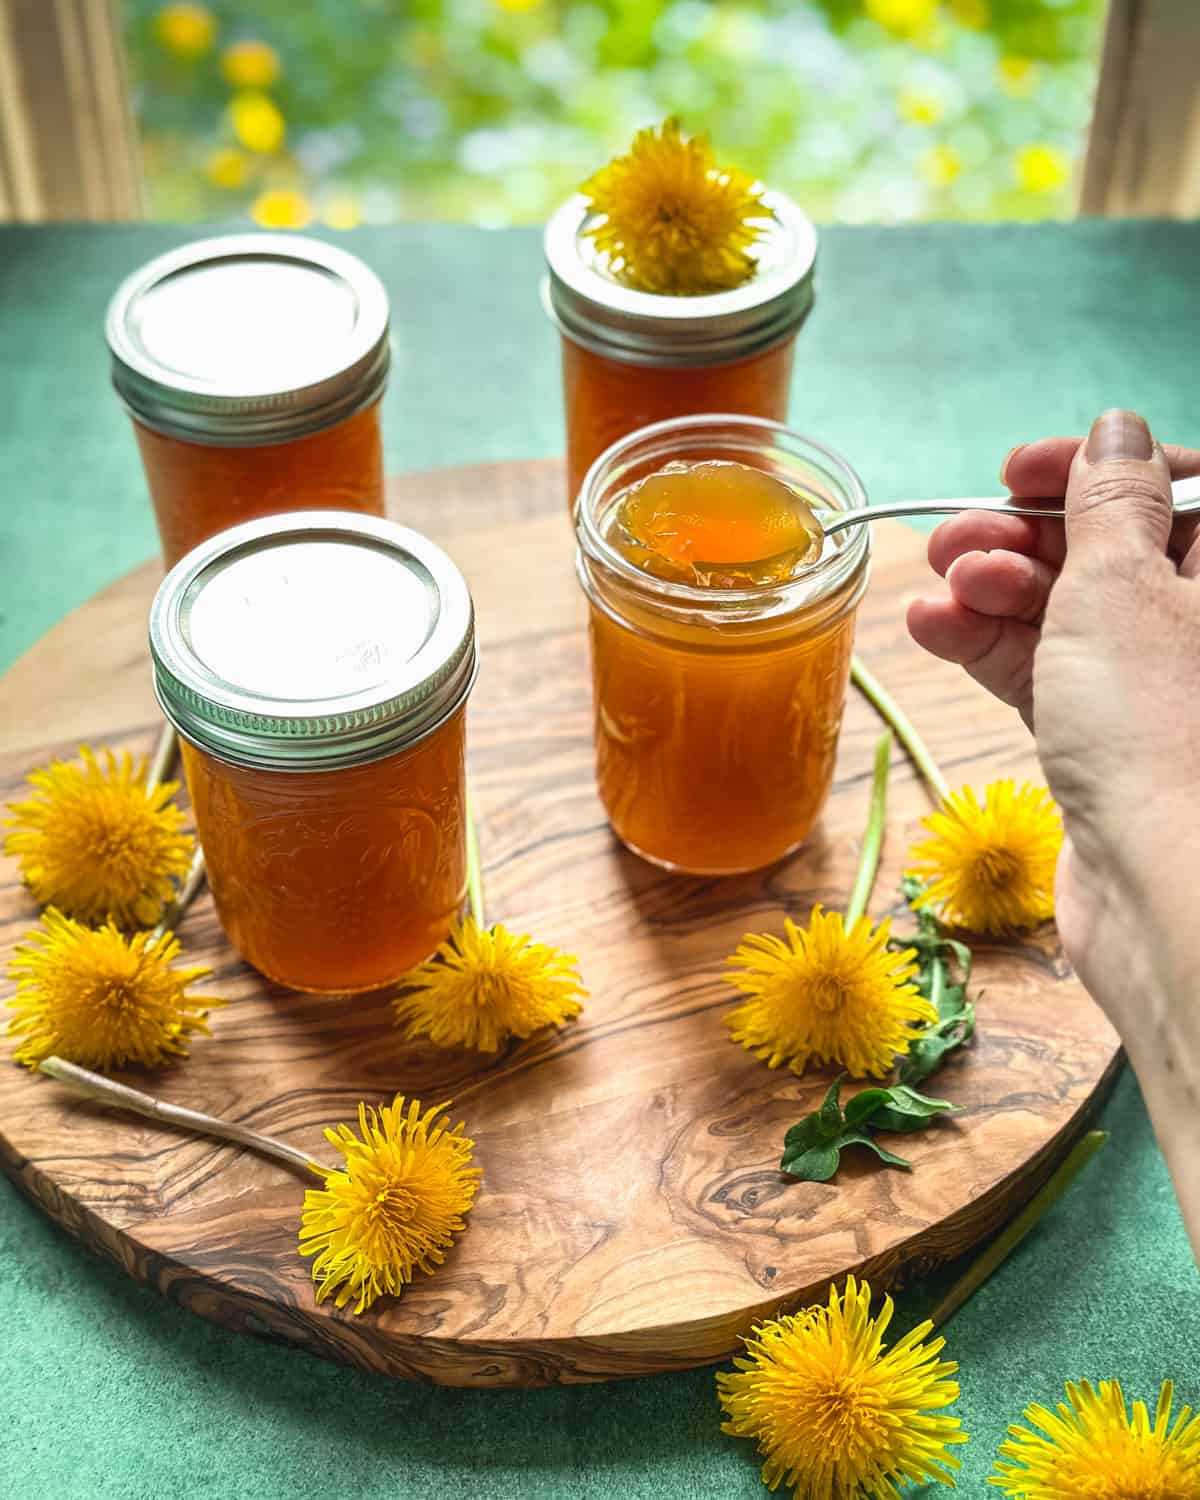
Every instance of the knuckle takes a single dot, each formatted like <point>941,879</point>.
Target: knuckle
<point>1121,492</point>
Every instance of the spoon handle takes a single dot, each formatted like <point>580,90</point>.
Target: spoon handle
<point>1186,493</point>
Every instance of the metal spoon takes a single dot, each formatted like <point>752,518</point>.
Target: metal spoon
<point>1186,493</point>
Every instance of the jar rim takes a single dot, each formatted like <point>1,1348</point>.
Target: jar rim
<point>217,402</point>
<point>836,565</point>
<point>602,314</point>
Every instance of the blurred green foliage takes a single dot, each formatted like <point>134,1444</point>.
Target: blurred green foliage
<point>492,111</point>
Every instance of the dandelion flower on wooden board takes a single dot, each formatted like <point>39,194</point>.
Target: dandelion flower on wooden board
<point>835,1415</point>
<point>394,1208</point>
<point>1091,1448</point>
<point>989,866</point>
<point>96,844</point>
<point>484,985</point>
<point>826,995</point>
<point>100,999</point>
<point>675,222</point>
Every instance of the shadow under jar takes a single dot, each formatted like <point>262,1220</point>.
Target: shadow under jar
<point>717,710</point>
<point>632,358</point>
<point>252,366</point>
<point>317,667</point>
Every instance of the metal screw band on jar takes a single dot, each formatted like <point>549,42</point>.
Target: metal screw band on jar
<point>312,641</point>
<point>603,315</point>
<point>249,339</point>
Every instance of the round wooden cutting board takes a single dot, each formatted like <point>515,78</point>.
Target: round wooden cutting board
<point>632,1216</point>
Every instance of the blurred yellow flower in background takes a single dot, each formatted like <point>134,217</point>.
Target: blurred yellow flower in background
<point>904,17</point>
<point>226,167</point>
<point>343,211</point>
<point>940,165</point>
<point>257,122</point>
<point>251,65</point>
<point>919,107</point>
<point>186,30</point>
<point>1017,76</point>
<point>1041,169</point>
<point>517,7</point>
<point>973,13</point>
<point>281,208</point>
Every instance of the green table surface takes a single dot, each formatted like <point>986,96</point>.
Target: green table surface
<point>931,351</point>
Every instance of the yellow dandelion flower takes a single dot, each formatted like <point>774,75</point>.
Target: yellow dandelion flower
<point>1092,1448</point>
<point>396,1206</point>
<point>920,107</point>
<point>827,996</point>
<point>484,985</point>
<point>100,999</point>
<point>673,221</point>
<point>186,30</point>
<point>904,17</point>
<point>226,168</point>
<point>1017,76</point>
<point>257,122</point>
<point>991,865</point>
<point>834,1415</point>
<point>1041,168</point>
<point>96,844</point>
<point>342,211</point>
<point>975,14</point>
<point>251,65</point>
<point>281,208</point>
<point>940,165</point>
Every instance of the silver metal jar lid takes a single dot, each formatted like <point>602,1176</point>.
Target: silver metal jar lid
<point>249,339</point>
<point>311,641</point>
<point>599,312</point>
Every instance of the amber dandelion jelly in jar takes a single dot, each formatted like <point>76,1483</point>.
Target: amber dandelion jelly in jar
<point>678,287</point>
<point>253,367</point>
<point>317,668</point>
<point>721,625</point>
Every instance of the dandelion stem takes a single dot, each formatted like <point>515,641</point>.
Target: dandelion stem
<point>192,882</point>
<point>1011,1236</point>
<point>474,871</point>
<point>108,1091</point>
<point>164,757</point>
<point>868,860</point>
<point>891,712</point>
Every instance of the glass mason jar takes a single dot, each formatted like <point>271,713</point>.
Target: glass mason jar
<point>253,367</point>
<point>317,667</point>
<point>633,358</point>
<point>717,711</point>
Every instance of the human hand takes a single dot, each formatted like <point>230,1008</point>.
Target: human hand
<point>1092,632</point>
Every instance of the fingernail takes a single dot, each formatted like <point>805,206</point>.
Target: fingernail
<point>1008,458</point>
<point>1119,434</point>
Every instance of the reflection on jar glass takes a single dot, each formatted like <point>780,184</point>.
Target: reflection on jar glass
<point>252,366</point>
<point>717,710</point>
<point>632,358</point>
<point>317,668</point>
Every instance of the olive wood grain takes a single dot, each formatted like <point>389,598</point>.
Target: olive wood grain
<point>632,1217</point>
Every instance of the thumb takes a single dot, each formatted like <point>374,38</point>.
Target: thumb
<point>1119,491</point>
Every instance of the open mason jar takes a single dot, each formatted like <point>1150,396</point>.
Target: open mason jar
<point>252,366</point>
<point>632,358</point>
<point>317,667</point>
<point>717,711</point>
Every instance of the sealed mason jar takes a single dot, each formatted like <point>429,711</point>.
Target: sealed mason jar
<point>252,366</point>
<point>632,358</point>
<point>717,710</point>
<point>317,667</point>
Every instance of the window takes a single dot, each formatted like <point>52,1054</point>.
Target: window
<point>491,111</point>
